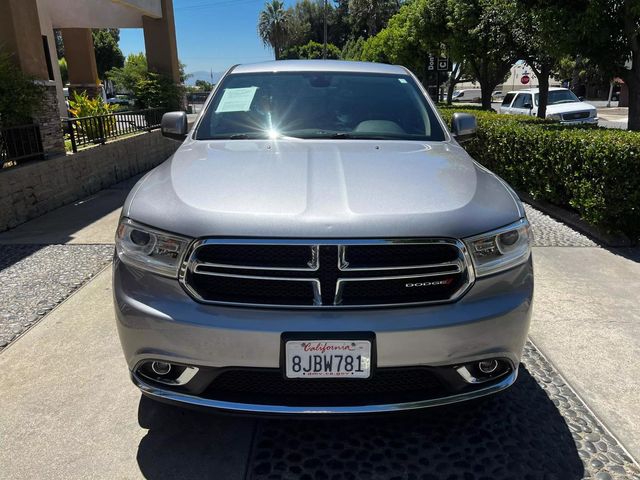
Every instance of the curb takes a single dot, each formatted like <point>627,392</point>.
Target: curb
<point>574,221</point>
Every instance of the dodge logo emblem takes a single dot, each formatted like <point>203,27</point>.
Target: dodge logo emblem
<point>434,283</point>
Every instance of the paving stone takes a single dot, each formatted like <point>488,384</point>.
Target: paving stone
<point>548,232</point>
<point>519,433</point>
<point>36,278</point>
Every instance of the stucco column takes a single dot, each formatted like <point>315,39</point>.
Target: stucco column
<point>160,42</point>
<point>20,35</point>
<point>81,60</point>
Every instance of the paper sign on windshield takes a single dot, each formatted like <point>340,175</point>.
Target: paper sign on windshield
<point>236,99</point>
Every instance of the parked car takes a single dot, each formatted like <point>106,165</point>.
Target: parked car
<point>497,95</point>
<point>562,105</point>
<point>471,95</point>
<point>321,243</point>
<point>121,100</point>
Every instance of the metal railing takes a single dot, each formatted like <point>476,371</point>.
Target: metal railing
<point>20,144</point>
<point>85,131</point>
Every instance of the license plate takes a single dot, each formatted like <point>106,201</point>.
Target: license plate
<point>328,359</point>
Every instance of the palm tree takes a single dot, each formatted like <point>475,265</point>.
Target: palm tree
<point>273,26</point>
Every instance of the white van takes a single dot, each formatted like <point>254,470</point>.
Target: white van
<point>467,95</point>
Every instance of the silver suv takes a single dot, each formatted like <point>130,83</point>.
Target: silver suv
<point>320,243</point>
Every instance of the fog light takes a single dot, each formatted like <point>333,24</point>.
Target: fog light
<point>161,368</point>
<point>488,366</point>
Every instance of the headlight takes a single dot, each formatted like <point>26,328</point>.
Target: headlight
<point>555,116</point>
<point>501,249</point>
<point>150,249</point>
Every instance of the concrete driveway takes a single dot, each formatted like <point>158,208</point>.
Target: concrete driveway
<point>68,409</point>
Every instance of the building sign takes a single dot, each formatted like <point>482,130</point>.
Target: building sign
<point>431,64</point>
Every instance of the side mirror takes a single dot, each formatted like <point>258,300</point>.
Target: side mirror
<point>463,126</point>
<point>581,99</point>
<point>174,125</point>
<point>528,106</point>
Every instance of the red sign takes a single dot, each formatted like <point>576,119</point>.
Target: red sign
<point>524,79</point>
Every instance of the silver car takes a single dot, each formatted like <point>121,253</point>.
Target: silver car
<point>320,243</point>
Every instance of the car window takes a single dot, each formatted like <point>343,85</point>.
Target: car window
<point>521,100</point>
<point>319,105</point>
<point>557,97</point>
<point>461,94</point>
<point>507,99</point>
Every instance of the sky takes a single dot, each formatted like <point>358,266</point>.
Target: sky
<point>211,34</point>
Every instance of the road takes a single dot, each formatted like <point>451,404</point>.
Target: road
<point>69,410</point>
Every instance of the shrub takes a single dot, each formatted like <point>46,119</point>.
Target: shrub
<point>594,171</point>
<point>312,50</point>
<point>20,97</point>
<point>158,91</point>
<point>81,105</point>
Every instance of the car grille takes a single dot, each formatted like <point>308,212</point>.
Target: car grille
<point>329,274</point>
<point>269,387</point>
<point>575,115</point>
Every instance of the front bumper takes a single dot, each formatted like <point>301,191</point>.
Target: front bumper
<point>582,121</point>
<point>157,320</point>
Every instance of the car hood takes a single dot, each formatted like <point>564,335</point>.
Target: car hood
<point>570,107</point>
<point>320,189</point>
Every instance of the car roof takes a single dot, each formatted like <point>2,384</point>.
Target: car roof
<point>536,90</point>
<point>320,66</point>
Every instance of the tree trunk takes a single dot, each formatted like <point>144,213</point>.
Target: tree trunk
<point>450,90</point>
<point>633,82</point>
<point>486,89</point>
<point>543,85</point>
<point>453,79</point>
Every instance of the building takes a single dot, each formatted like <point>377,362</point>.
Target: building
<point>27,32</point>
<point>514,80</point>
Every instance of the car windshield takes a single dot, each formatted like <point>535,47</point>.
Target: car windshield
<point>559,96</point>
<point>307,105</point>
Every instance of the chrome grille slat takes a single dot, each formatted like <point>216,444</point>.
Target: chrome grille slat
<point>334,275</point>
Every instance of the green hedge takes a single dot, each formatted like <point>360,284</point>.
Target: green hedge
<point>594,171</point>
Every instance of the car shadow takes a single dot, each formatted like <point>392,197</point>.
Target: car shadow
<point>517,434</point>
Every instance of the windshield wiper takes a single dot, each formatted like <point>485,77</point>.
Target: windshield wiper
<point>340,135</point>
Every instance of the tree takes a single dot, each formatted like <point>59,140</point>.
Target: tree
<point>64,71</point>
<point>134,69</point>
<point>273,24</point>
<point>184,76</point>
<point>416,31</point>
<point>368,17</point>
<point>352,50</point>
<point>204,86</point>
<point>609,35</point>
<point>541,37</point>
<point>308,17</point>
<point>150,89</point>
<point>108,54</point>
<point>20,96</point>
<point>459,74</point>
<point>481,35</point>
<point>312,50</point>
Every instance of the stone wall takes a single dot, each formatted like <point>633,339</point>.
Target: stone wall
<point>48,118</point>
<point>30,190</point>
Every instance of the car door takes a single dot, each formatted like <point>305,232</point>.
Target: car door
<point>522,105</point>
<point>506,103</point>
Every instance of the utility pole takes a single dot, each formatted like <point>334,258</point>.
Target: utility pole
<point>324,46</point>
